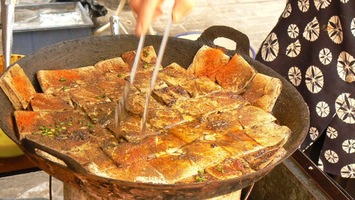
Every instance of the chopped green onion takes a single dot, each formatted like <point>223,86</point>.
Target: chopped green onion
<point>62,79</point>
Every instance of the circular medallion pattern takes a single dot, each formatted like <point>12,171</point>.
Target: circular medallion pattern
<point>312,30</point>
<point>270,48</point>
<point>314,79</point>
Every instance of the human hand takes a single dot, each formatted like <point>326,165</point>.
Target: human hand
<point>148,10</point>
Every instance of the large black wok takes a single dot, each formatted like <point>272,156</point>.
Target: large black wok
<point>290,110</point>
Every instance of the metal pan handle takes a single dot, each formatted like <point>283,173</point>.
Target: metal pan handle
<point>31,147</point>
<point>210,34</point>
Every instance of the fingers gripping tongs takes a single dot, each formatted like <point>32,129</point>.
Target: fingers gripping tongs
<point>121,110</point>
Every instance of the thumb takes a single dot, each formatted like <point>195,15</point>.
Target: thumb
<point>182,8</point>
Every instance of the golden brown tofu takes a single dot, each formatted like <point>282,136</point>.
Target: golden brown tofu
<point>51,102</point>
<point>142,82</point>
<point>164,118</point>
<point>205,153</point>
<point>196,107</point>
<point>207,62</point>
<point>223,121</point>
<point>136,102</point>
<point>100,112</point>
<point>236,75</point>
<point>165,144</point>
<point>147,59</point>
<point>113,65</point>
<point>192,130</point>
<point>127,153</point>
<point>200,86</point>
<point>251,116</point>
<point>169,95</point>
<point>227,100</point>
<point>238,143</point>
<point>130,129</point>
<point>174,168</point>
<point>89,94</point>
<point>263,91</point>
<point>17,86</point>
<point>269,134</point>
<point>29,122</point>
<point>232,167</point>
<point>175,75</point>
<point>52,81</point>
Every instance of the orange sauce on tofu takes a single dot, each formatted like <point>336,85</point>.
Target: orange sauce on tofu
<point>26,118</point>
<point>213,62</point>
<point>69,75</point>
<point>20,83</point>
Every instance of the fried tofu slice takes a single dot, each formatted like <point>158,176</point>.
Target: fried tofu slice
<point>101,113</point>
<point>205,153</point>
<point>29,122</point>
<point>227,100</point>
<point>203,106</point>
<point>196,107</point>
<point>189,131</point>
<point>89,94</point>
<point>114,89</point>
<point>59,130</point>
<point>126,153</point>
<point>130,129</point>
<point>113,65</point>
<point>208,61</point>
<point>263,91</point>
<point>175,168</point>
<point>17,87</point>
<point>164,118</point>
<point>244,150</point>
<point>223,121</point>
<point>165,144</point>
<point>80,154</point>
<point>247,116</point>
<point>260,159</point>
<point>53,123</point>
<point>148,55</point>
<point>52,81</point>
<point>76,146</point>
<point>169,95</point>
<point>250,116</point>
<point>142,81</point>
<point>175,75</point>
<point>231,167</point>
<point>137,172</point>
<point>200,86</point>
<point>257,146</point>
<point>147,59</point>
<point>135,103</point>
<point>269,134</point>
<point>236,75</point>
<point>51,102</point>
<point>238,143</point>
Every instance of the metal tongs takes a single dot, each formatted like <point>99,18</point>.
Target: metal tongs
<point>7,21</point>
<point>121,110</point>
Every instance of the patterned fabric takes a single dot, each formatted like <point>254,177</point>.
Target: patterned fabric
<point>313,46</point>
